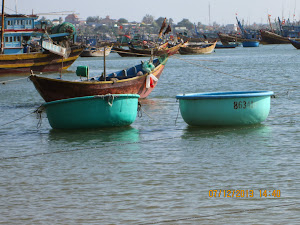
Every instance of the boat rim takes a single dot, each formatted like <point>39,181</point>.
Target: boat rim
<point>222,95</point>
<point>92,97</point>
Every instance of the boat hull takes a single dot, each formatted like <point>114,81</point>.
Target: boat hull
<point>56,89</point>
<point>247,44</point>
<point>98,52</point>
<point>197,50</point>
<point>272,38</point>
<point>295,43</point>
<point>134,52</point>
<point>37,62</point>
<point>225,108</point>
<point>92,111</point>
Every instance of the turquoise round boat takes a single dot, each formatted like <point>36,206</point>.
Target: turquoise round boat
<point>225,108</point>
<point>110,110</point>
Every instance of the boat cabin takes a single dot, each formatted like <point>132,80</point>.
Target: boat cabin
<point>18,30</point>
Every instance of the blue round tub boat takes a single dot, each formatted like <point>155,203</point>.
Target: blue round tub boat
<point>225,108</point>
<point>111,110</point>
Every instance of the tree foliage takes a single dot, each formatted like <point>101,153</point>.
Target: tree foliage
<point>93,19</point>
<point>160,20</point>
<point>186,23</point>
<point>122,20</point>
<point>148,19</point>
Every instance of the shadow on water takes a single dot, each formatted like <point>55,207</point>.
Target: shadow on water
<point>256,130</point>
<point>92,136</point>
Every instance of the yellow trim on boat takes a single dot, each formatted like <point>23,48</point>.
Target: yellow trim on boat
<point>38,64</point>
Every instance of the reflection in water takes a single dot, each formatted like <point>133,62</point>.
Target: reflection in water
<point>257,130</point>
<point>90,136</point>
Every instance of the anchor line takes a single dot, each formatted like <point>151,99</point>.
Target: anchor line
<point>177,114</point>
<point>16,119</point>
<point>236,76</point>
<point>38,111</point>
<point>6,81</point>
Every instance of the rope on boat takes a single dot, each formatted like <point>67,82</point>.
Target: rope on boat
<point>6,81</point>
<point>236,76</point>
<point>4,124</point>
<point>177,113</point>
<point>221,213</point>
<point>38,112</point>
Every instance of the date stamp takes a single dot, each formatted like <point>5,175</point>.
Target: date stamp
<point>240,193</point>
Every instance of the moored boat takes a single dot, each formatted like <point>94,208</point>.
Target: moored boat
<point>295,43</point>
<point>268,37</point>
<point>250,43</point>
<point>140,79</point>
<point>225,108</point>
<point>96,51</point>
<point>204,48</point>
<point>142,52</point>
<point>26,48</point>
<point>250,38</point>
<point>98,111</point>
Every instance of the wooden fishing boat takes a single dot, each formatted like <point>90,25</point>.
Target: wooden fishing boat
<point>26,48</point>
<point>93,111</point>
<point>204,48</point>
<point>142,52</point>
<point>227,39</point>
<point>268,37</point>
<point>225,108</point>
<point>295,43</point>
<point>96,51</point>
<point>229,45</point>
<point>140,79</point>
<point>124,52</point>
<point>37,62</point>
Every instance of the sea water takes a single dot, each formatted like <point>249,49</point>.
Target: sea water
<point>159,170</point>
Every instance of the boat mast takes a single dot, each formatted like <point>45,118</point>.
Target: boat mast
<point>270,23</point>
<point>16,7</point>
<point>104,66</point>
<point>2,29</point>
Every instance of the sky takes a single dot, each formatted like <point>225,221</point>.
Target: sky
<point>205,11</point>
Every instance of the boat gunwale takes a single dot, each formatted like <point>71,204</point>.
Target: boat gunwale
<point>82,82</point>
<point>224,95</point>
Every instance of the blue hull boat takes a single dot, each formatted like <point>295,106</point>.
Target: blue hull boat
<point>225,108</point>
<point>250,43</point>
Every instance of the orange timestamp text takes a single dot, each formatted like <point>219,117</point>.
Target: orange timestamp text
<point>219,193</point>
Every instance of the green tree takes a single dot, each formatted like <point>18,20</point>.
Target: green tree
<point>122,20</point>
<point>148,19</point>
<point>160,20</point>
<point>186,23</point>
<point>93,19</point>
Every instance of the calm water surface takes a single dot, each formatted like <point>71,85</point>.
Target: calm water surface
<point>159,170</point>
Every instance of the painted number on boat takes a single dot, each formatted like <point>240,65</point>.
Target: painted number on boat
<point>243,105</point>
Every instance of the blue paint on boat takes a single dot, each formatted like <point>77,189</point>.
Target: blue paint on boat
<point>250,43</point>
<point>225,108</point>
